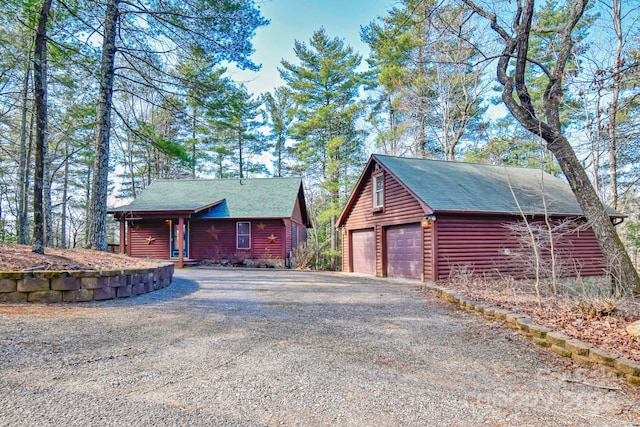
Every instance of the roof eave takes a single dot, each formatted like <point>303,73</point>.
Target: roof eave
<point>208,206</point>
<point>512,213</point>
<point>147,213</point>
<point>306,220</point>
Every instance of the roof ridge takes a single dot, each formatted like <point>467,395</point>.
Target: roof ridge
<point>227,179</point>
<point>488,165</point>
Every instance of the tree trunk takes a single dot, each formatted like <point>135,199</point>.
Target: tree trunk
<point>99,186</point>
<point>46,200</point>
<point>280,148</point>
<point>87,198</point>
<point>23,169</point>
<point>65,190</point>
<point>616,6</point>
<point>240,153</point>
<point>624,275</point>
<point>193,143</point>
<point>596,144</point>
<point>422,107</point>
<point>40,98</point>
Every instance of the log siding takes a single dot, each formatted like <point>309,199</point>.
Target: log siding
<point>487,245</point>
<point>149,239</point>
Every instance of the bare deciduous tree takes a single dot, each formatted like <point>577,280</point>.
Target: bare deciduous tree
<point>513,63</point>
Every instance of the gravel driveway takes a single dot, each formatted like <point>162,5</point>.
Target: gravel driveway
<point>273,347</point>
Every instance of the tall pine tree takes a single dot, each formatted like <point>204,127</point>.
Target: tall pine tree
<point>329,145</point>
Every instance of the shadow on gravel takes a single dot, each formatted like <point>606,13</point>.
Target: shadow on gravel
<point>179,288</point>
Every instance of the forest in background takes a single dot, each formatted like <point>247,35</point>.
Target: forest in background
<point>99,98</point>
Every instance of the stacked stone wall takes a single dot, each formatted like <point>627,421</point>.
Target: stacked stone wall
<point>80,286</point>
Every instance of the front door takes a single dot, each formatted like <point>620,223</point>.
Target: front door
<point>174,239</point>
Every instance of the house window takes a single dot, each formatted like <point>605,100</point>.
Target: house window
<point>378,191</point>
<point>243,234</point>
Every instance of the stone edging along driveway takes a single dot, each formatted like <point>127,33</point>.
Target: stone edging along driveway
<point>557,342</point>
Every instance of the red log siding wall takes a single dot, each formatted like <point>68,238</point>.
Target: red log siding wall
<point>296,219</point>
<point>297,212</point>
<point>204,246</point>
<point>299,237</point>
<point>580,254</point>
<point>262,249</point>
<point>140,232</point>
<point>347,267</point>
<point>428,261</point>
<point>486,245</point>
<point>400,207</point>
<point>476,244</point>
<point>287,235</point>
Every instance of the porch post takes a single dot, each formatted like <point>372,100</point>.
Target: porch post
<point>123,235</point>
<point>180,242</point>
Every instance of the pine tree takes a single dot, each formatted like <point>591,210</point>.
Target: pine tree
<point>329,144</point>
<point>431,82</point>
<point>279,108</point>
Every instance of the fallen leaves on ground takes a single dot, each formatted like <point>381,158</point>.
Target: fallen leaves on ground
<point>587,315</point>
<point>21,258</point>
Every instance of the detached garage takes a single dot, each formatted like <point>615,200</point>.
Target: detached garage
<point>422,219</point>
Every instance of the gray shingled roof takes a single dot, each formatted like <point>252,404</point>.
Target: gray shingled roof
<point>471,187</point>
<point>242,198</point>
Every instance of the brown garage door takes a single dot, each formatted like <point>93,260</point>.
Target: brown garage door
<point>363,252</point>
<point>404,251</point>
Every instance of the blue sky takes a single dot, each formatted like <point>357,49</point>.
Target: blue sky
<point>297,20</point>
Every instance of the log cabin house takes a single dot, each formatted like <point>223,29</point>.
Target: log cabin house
<point>425,219</point>
<point>231,221</point>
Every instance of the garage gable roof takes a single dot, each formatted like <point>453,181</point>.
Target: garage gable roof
<point>230,198</point>
<point>470,187</point>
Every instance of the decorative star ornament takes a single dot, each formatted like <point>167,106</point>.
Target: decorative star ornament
<point>213,232</point>
<point>150,240</point>
<point>261,227</point>
<point>272,238</point>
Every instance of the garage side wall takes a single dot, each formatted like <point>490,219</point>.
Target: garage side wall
<point>400,207</point>
<point>487,245</point>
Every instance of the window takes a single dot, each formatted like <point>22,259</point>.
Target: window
<point>243,234</point>
<point>378,191</point>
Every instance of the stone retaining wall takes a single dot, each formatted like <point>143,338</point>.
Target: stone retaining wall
<point>85,285</point>
<point>559,343</point>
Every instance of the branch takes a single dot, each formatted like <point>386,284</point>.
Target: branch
<point>554,92</point>
<point>523,29</point>
<point>493,19</point>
